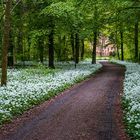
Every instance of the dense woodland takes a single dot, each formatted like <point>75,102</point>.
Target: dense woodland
<point>61,30</point>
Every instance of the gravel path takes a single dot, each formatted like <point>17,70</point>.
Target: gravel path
<point>88,111</point>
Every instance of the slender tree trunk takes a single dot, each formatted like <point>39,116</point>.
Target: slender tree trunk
<point>51,47</point>
<point>77,48</point>
<point>20,49</point>
<point>41,51</point>
<point>65,56</point>
<point>122,48</point>
<point>6,42</point>
<point>82,49</point>
<point>11,52</point>
<point>72,46</point>
<point>118,54</point>
<point>116,41</point>
<point>59,49</point>
<point>95,33</point>
<point>28,50</point>
<point>136,41</point>
<point>59,55</point>
<point>20,44</point>
<point>41,54</point>
<point>94,48</point>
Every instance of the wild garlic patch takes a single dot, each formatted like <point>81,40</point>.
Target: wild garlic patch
<point>28,87</point>
<point>131,98</point>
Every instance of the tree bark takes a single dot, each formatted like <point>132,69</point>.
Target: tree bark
<point>11,52</point>
<point>72,46</point>
<point>6,42</point>
<point>20,49</point>
<point>82,49</point>
<point>136,41</point>
<point>116,42</point>
<point>28,50</point>
<point>122,48</point>
<point>94,48</point>
<point>77,48</point>
<point>59,49</point>
<point>51,46</point>
<point>118,54</point>
<point>41,50</point>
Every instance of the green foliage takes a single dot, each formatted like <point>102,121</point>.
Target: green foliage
<point>33,20</point>
<point>59,9</point>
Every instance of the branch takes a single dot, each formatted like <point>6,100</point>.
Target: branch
<point>15,5</point>
<point>11,10</point>
<point>107,44</point>
<point>127,8</point>
<point>1,17</point>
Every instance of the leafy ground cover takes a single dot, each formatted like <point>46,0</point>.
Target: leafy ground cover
<point>30,86</point>
<point>131,98</point>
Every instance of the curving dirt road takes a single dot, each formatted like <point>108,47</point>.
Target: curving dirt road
<point>88,111</point>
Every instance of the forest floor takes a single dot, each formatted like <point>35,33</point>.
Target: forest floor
<point>90,110</point>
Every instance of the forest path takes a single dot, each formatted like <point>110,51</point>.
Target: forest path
<point>88,111</point>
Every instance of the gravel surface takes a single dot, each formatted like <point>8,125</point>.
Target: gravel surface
<point>88,111</point>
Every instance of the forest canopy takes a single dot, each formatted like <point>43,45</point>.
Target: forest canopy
<point>65,30</point>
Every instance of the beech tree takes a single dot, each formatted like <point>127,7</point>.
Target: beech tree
<point>49,30</point>
<point>6,39</point>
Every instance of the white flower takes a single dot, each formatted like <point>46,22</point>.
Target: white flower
<point>28,85</point>
<point>132,93</point>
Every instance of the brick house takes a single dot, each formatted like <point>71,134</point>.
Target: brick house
<point>105,47</point>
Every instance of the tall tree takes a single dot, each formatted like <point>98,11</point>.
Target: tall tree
<point>72,45</point>
<point>77,45</point>
<point>51,44</point>
<point>136,40</point>
<point>6,41</point>
<point>94,48</point>
<point>136,30</point>
<point>95,33</point>
<point>122,45</point>
<point>82,49</point>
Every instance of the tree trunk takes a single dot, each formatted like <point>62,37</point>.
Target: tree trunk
<point>82,49</point>
<point>136,41</point>
<point>11,52</point>
<point>94,48</point>
<point>77,48</point>
<point>116,42</point>
<point>20,49</point>
<point>72,46</point>
<point>118,54</point>
<point>28,50</point>
<point>59,48</point>
<point>51,48</point>
<point>65,55</point>
<point>6,42</point>
<point>41,51</point>
<point>122,49</point>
